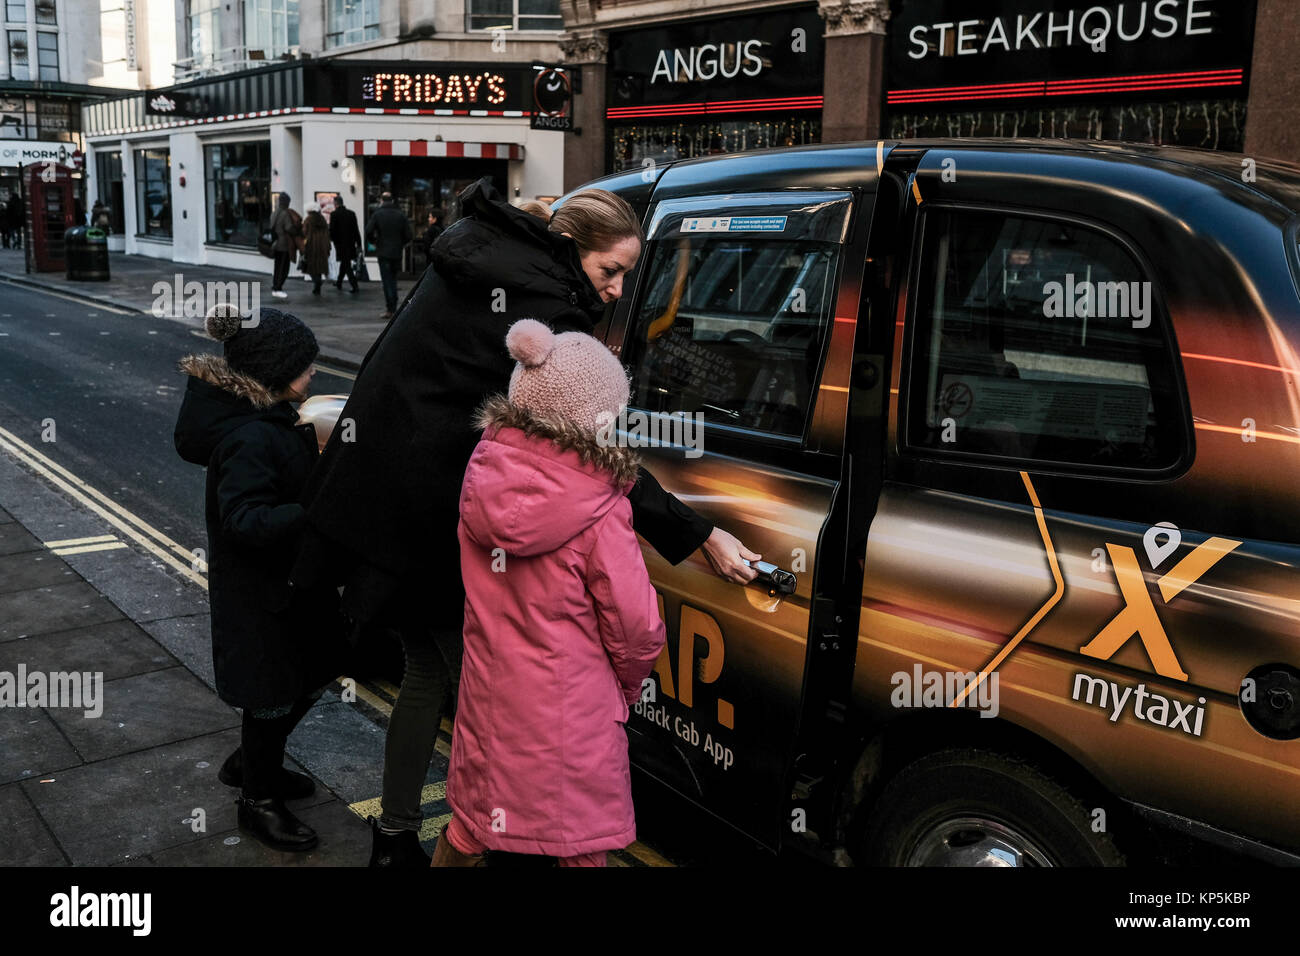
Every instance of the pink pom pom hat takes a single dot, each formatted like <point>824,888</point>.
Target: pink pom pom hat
<point>569,376</point>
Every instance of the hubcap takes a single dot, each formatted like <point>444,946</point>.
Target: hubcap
<point>975,841</point>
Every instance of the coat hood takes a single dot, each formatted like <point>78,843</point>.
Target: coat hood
<point>535,483</point>
<point>217,401</point>
<point>496,245</point>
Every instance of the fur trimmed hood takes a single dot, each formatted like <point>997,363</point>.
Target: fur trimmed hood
<point>215,370</point>
<point>620,461</point>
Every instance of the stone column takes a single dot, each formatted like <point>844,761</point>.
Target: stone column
<point>1272,112</point>
<point>854,84</point>
<point>585,53</point>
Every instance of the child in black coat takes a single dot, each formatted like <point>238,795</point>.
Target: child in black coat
<point>273,646</point>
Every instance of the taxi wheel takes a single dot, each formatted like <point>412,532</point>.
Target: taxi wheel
<point>967,807</point>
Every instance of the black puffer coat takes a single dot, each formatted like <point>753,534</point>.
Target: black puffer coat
<point>271,642</point>
<point>383,508</point>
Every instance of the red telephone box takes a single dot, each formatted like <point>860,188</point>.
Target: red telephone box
<point>49,203</point>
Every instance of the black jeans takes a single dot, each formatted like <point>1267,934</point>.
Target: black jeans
<point>432,674</point>
<point>388,269</point>
<point>345,269</point>
<point>281,272</point>
<point>262,740</point>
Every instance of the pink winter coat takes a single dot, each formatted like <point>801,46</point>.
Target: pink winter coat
<point>561,627</point>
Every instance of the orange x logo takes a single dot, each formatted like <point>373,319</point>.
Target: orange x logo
<point>1138,616</point>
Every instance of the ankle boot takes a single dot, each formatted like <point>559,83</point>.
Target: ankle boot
<point>271,823</point>
<point>397,851</point>
<point>289,786</point>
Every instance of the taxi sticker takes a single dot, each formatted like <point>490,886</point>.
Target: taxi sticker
<point>734,224</point>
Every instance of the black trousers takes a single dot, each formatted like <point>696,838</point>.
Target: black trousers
<point>281,272</point>
<point>345,269</point>
<point>262,740</point>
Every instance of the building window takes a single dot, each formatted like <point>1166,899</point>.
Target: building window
<point>203,24</point>
<point>45,12</point>
<point>16,11</point>
<point>47,55</point>
<point>271,26</point>
<point>108,182</point>
<point>238,192</point>
<point>1039,340</point>
<point>18,68</point>
<point>352,21</point>
<point>514,15</point>
<point>153,193</point>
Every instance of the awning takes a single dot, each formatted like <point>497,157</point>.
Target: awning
<point>435,148</point>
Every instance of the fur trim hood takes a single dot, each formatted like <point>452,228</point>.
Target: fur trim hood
<point>215,370</point>
<point>620,461</point>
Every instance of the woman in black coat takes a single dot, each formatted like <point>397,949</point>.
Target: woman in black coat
<point>273,646</point>
<point>383,503</point>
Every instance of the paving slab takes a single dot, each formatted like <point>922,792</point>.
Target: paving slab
<point>14,538</point>
<point>144,711</point>
<point>132,806</point>
<point>58,608</point>
<point>189,640</point>
<point>33,569</point>
<point>344,841</point>
<point>5,516</point>
<point>116,649</point>
<point>31,745</point>
<point>24,841</point>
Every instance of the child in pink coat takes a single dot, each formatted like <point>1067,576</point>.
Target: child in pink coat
<point>561,623</point>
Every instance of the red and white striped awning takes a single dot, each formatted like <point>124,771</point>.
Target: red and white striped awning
<point>424,147</point>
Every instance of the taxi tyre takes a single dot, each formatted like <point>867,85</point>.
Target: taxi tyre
<point>966,792</point>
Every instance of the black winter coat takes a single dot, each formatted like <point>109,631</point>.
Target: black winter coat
<point>383,508</point>
<point>344,234</point>
<point>271,643</point>
<point>389,230</point>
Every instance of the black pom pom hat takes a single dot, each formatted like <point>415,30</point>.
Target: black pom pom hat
<point>272,347</point>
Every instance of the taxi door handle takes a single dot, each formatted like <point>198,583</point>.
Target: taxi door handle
<point>776,580</point>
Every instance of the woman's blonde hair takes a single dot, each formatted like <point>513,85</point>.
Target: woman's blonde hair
<point>596,219</point>
<point>535,207</point>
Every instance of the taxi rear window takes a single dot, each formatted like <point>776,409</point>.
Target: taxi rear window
<point>1038,340</point>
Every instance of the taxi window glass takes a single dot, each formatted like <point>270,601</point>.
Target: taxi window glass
<point>732,327</point>
<point>1038,340</point>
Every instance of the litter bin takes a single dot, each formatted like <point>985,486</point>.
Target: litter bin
<point>86,250</point>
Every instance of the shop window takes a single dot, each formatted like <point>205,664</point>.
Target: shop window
<point>514,15</point>
<point>271,26</point>
<point>352,21</point>
<point>18,62</point>
<point>238,192</point>
<point>732,327</point>
<point>108,183</point>
<point>47,55</point>
<point>633,145</point>
<point>1038,340</point>
<point>153,192</point>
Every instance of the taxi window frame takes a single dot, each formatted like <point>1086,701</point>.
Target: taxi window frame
<point>630,353</point>
<point>1181,407</point>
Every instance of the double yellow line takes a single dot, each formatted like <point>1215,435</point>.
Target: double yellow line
<point>130,525</point>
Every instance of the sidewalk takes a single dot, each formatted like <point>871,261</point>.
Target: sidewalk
<point>346,325</point>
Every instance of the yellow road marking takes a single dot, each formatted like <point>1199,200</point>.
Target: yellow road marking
<point>86,549</point>
<point>1050,603</point>
<point>83,493</point>
<point>69,542</point>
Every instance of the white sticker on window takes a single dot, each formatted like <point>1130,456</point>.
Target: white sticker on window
<point>1116,413</point>
<point>734,224</point>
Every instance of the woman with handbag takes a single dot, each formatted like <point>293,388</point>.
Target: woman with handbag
<point>316,247</point>
<point>286,229</point>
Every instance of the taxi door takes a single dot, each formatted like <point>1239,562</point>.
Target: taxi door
<point>737,341</point>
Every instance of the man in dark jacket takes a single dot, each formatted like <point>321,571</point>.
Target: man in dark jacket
<point>347,240</point>
<point>273,647</point>
<point>389,230</point>
<point>382,505</point>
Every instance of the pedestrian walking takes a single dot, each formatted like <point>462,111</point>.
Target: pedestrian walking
<point>389,230</point>
<point>274,647</point>
<point>432,230</point>
<point>347,242</point>
<point>286,228</point>
<point>316,248</point>
<point>539,761</point>
<point>383,510</point>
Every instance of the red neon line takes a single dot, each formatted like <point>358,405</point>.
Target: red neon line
<point>674,107</point>
<point>1156,76</point>
<point>628,112</point>
<point>979,86</point>
<point>1084,84</point>
<point>1226,77</point>
<point>1146,86</point>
